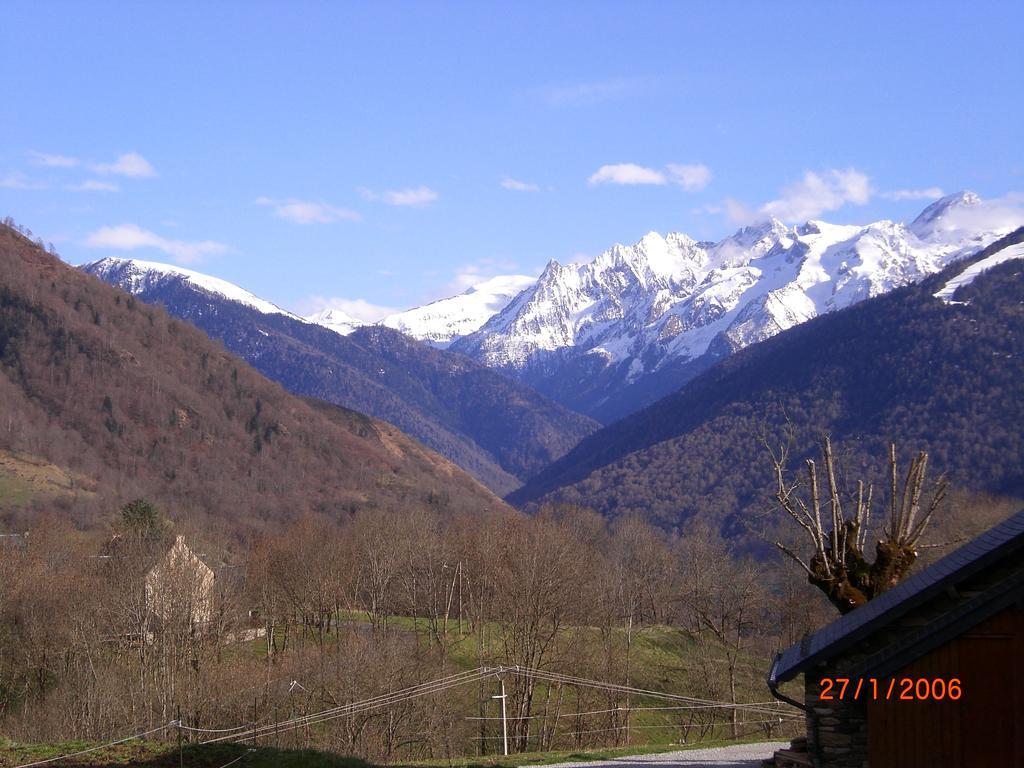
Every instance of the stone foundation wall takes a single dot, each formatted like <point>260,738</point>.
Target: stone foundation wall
<point>837,734</point>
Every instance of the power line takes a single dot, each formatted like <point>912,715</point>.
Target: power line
<point>214,730</point>
<point>437,686</point>
<point>463,678</point>
<point>232,762</point>
<point>763,708</point>
<point>627,710</point>
<point>101,746</point>
<point>568,734</point>
<point>389,699</point>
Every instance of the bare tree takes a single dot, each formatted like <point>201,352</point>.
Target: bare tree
<point>838,566</point>
<point>724,601</point>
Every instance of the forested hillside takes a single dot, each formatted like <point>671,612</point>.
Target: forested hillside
<point>499,430</point>
<point>105,398</point>
<point>943,377</point>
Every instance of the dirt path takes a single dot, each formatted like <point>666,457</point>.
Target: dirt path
<point>738,756</point>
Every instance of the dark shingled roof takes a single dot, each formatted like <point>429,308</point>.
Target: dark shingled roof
<point>990,547</point>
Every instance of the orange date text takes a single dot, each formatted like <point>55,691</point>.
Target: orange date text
<point>892,689</point>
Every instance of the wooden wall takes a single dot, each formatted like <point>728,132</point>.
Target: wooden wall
<point>983,729</point>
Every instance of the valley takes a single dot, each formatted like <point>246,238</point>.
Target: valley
<point>478,385</point>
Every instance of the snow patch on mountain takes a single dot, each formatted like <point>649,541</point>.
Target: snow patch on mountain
<point>437,323</point>
<point>336,320</point>
<point>440,322</point>
<point>969,275</point>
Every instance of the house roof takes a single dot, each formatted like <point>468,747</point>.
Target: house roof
<point>992,547</point>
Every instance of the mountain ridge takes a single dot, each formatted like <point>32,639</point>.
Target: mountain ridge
<point>498,429</point>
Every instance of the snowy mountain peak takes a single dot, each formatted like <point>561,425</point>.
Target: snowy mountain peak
<point>553,267</point>
<point>753,233</point>
<point>442,321</point>
<point>941,216</point>
<point>336,320</point>
<point>503,284</point>
<point>135,275</point>
<point>652,240</point>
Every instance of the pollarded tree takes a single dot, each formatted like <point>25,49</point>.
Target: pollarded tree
<point>839,567</point>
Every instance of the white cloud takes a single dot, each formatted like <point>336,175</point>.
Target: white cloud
<point>465,278</point>
<point>360,309</point>
<point>129,237</point>
<point>708,209</point>
<point>468,275</point>
<point>626,173</point>
<point>596,92</point>
<point>997,215</point>
<point>412,197</point>
<point>19,181</point>
<point>94,185</point>
<point>931,193</point>
<point>53,161</point>
<point>739,213</point>
<point>131,164</point>
<point>518,186</point>
<point>307,212</point>
<point>817,193</point>
<point>692,178</point>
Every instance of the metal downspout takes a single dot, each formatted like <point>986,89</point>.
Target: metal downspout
<point>773,686</point>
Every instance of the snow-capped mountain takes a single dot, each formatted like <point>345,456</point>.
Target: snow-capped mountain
<point>584,332</point>
<point>137,276</point>
<point>336,320</point>
<point>610,336</point>
<point>441,322</point>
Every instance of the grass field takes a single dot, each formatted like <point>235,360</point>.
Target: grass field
<point>663,659</point>
<point>24,478</point>
<point>161,755</point>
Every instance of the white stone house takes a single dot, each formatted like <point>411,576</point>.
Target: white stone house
<point>179,588</point>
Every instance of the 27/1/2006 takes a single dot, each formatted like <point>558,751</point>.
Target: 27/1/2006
<point>899,689</point>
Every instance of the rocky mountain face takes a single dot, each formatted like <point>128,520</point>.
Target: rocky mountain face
<point>609,336</point>
<point>499,430</point>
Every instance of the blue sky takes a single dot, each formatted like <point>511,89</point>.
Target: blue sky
<point>391,153</point>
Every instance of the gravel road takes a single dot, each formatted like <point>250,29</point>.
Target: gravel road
<point>738,756</point>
